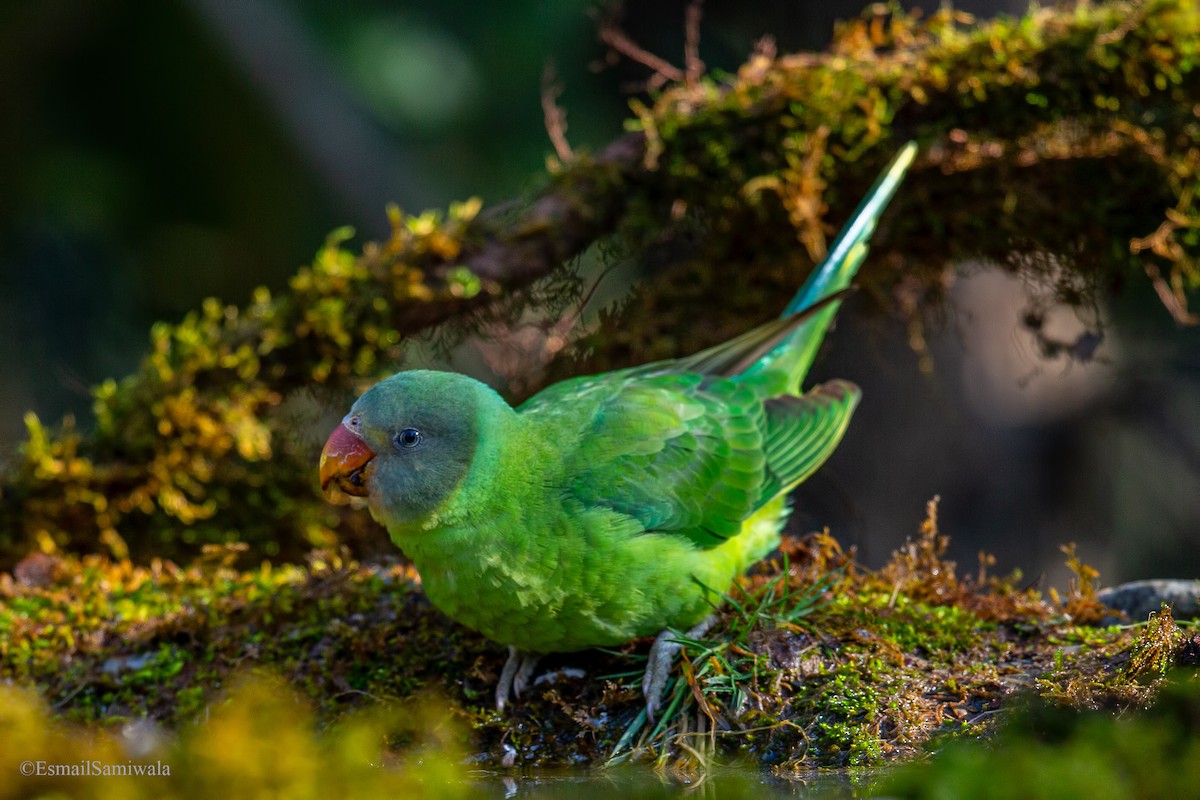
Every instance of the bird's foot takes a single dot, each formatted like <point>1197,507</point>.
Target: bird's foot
<point>515,675</point>
<point>663,653</point>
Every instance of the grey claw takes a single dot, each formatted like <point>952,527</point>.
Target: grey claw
<point>658,670</point>
<point>662,657</point>
<point>504,685</point>
<point>515,676</point>
<point>524,672</point>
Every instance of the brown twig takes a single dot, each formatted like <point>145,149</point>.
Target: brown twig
<point>664,71</point>
<point>693,66</point>
<point>1172,296</point>
<point>555,116</point>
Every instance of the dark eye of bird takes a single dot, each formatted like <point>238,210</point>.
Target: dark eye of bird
<point>409,437</point>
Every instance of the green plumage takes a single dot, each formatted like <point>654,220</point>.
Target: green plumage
<point>612,506</point>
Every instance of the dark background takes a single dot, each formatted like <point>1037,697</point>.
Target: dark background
<point>153,154</point>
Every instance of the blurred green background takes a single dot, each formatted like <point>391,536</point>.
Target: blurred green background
<point>153,154</point>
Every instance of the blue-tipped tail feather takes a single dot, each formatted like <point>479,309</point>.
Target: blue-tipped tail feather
<point>795,354</point>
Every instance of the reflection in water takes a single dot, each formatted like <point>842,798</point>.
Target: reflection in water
<point>642,782</point>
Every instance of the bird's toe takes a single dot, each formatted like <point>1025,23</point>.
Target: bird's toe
<point>518,669</point>
<point>521,679</point>
<point>661,661</point>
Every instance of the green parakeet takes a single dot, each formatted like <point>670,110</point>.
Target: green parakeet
<point>606,507</point>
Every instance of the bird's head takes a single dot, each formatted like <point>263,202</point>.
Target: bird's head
<point>408,443</point>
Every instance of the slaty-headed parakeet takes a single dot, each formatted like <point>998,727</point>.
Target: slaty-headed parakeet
<point>612,506</point>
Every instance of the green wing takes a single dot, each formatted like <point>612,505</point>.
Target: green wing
<point>802,432</point>
<point>692,446</point>
<point>686,453</point>
<point>678,453</point>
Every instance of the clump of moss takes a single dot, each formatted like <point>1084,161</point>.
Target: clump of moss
<point>1094,98</point>
<point>1081,603</point>
<point>1158,648</point>
<point>105,639</point>
<point>191,448</point>
<point>863,668</point>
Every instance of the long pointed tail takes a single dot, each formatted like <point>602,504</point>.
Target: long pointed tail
<point>795,354</point>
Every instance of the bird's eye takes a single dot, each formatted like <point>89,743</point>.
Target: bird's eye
<point>409,437</point>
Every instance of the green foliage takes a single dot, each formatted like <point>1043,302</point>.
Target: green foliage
<point>1018,120</point>
<point>190,449</point>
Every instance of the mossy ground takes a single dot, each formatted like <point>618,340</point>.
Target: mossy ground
<point>815,662</point>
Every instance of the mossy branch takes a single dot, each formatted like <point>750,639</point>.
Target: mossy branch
<point>1071,132</point>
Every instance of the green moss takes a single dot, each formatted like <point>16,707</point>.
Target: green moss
<point>908,625</point>
<point>1155,650</point>
<point>814,662</point>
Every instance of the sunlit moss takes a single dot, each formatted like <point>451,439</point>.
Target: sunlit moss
<point>866,668</point>
<point>814,661</point>
<point>1155,650</point>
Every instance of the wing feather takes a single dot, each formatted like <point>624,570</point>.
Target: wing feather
<point>688,453</point>
<point>802,432</point>
<point>681,453</point>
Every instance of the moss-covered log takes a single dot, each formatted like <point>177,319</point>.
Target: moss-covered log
<point>1070,132</point>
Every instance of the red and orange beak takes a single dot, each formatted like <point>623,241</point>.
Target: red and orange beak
<point>345,464</point>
